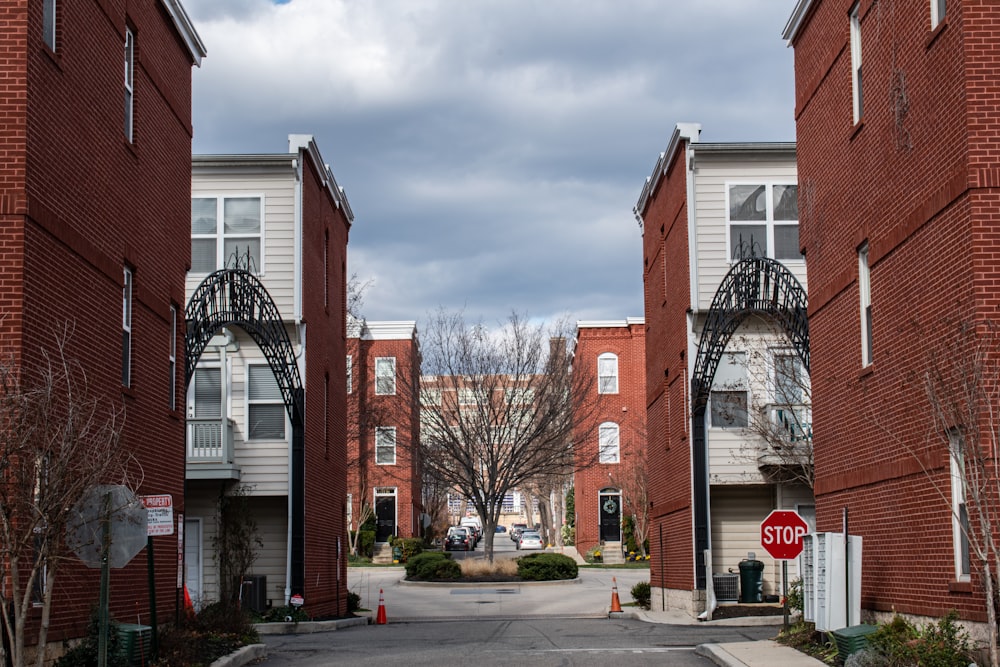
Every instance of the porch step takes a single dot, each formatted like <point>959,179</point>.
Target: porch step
<point>611,553</point>
<point>382,553</point>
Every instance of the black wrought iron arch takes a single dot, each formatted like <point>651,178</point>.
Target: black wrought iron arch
<point>754,286</point>
<point>236,297</point>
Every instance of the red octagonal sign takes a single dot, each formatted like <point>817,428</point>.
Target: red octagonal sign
<point>781,534</point>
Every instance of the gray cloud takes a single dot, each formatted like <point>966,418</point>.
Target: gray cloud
<point>492,150</point>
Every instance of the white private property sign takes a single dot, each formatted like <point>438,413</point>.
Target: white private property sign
<point>160,513</point>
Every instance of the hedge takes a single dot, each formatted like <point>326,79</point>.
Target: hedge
<point>546,567</point>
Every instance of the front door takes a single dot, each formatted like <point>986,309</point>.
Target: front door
<point>385,514</point>
<point>611,516</point>
<point>192,560</point>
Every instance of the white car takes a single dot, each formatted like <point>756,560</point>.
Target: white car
<point>530,539</point>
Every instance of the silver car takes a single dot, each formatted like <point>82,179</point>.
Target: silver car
<point>530,539</point>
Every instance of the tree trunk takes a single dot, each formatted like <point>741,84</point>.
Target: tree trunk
<point>991,613</point>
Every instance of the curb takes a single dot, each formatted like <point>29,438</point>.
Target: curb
<point>308,627</point>
<point>242,656</point>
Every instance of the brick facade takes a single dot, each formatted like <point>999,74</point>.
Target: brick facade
<point>625,407</point>
<point>78,203</point>
<point>369,411</point>
<point>915,178</point>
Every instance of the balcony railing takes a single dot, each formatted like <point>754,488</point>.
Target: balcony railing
<point>793,422</point>
<point>210,449</point>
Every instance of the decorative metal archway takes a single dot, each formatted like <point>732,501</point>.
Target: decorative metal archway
<point>236,297</point>
<point>754,286</point>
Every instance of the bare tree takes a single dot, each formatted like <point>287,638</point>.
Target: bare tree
<point>961,382</point>
<point>777,417</point>
<point>57,440</point>
<point>633,480</point>
<point>497,408</point>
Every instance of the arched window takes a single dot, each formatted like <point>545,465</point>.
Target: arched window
<point>607,373</point>
<point>609,448</point>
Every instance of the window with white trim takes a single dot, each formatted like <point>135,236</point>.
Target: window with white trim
<point>172,359</point>
<point>857,86</point>
<point>865,296</point>
<point>127,328</point>
<point>350,511</point>
<point>959,507</point>
<point>226,227</point>
<point>607,373</point>
<point>763,220</point>
<point>350,374</point>
<point>609,443</point>
<point>729,397</point>
<point>49,23</point>
<point>788,379</point>
<point>129,82</point>
<point>265,404</point>
<point>385,376</point>
<point>206,393</point>
<point>939,9</point>
<point>385,445</point>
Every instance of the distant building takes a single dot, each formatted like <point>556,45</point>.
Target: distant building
<point>284,218</point>
<point>94,198</point>
<point>609,480</point>
<point>383,365</point>
<point>898,171</point>
<point>713,477</point>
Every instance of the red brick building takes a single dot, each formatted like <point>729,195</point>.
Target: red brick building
<point>898,159</point>
<point>609,482</point>
<point>95,210</point>
<point>384,428</point>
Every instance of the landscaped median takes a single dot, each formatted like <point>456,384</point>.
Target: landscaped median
<point>438,567</point>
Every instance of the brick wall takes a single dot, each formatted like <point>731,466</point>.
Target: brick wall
<point>915,178</point>
<point>79,203</point>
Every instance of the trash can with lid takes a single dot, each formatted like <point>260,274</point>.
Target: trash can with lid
<point>751,580</point>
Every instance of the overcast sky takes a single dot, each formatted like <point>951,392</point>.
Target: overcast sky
<point>492,150</point>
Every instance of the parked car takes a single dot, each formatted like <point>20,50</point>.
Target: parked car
<point>530,540</point>
<point>458,539</point>
<point>474,527</point>
<point>500,529</point>
<point>515,530</point>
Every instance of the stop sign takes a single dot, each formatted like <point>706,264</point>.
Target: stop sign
<point>781,534</point>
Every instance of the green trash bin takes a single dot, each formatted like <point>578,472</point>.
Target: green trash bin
<point>751,581</point>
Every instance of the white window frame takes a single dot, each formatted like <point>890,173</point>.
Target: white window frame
<point>220,237</point>
<point>350,511</point>
<point>857,79</point>
<point>939,9</point>
<point>959,506</point>
<point>127,305</point>
<point>278,400</point>
<point>172,358</point>
<point>609,444</point>
<point>49,8</point>
<point>775,381</point>
<point>769,222</point>
<point>382,376</point>
<point>607,374</point>
<point>350,374</point>
<point>865,299</point>
<point>129,83</point>
<point>381,432</point>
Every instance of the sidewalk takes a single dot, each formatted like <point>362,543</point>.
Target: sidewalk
<point>766,653</point>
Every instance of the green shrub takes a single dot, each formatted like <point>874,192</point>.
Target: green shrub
<point>568,535</point>
<point>546,567</point>
<point>795,600</point>
<point>431,565</point>
<point>353,602</point>
<point>642,594</point>
<point>411,546</point>
<point>366,543</point>
<point>287,614</point>
<point>941,644</point>
<point>84,654</point>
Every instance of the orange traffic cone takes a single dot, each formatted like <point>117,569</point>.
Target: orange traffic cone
<point>380,616</point>
<point>616,605</point>
<point>188,605</point>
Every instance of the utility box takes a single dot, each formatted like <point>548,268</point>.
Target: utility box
<point>253,593</point>
<point>136,641</point>
<point>726,586</point>
<point>831,580</point>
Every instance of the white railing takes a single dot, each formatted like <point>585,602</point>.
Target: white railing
<point>792,421</point>
<point>209,440</point>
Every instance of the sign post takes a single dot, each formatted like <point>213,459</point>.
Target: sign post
<point>160,521</point>
<point>781,536</point>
